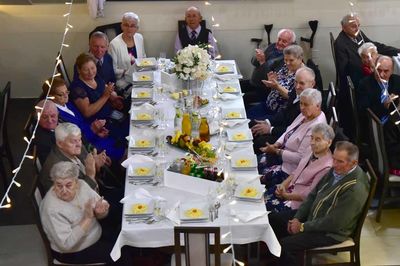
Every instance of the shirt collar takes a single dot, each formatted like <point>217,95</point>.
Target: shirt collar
<point>197,30</point>
<point>340,177</point>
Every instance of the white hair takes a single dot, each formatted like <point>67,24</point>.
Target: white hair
<point>294,50</point>
<point>325,129</point>
<point>349,18</point>
<point>64,130</point>
<point>367,46</point>
<point>313,95</point>
<point>292,34</point>
<point>308,70</point>
<point>130,16</point>
<point>64,170</point>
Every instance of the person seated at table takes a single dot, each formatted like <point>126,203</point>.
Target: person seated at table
<point>282,158</point>
<point>368,53</point>
<point>69,214</point>
<point>349,64</point>
<point>329,214</point>
<point>280,83</point>
<point>270,130</point>
<point>195,34</point>
<point>44,137</point>
<point>97,100</point>
<point>95,132</point>
<point>98,46</point>
<point>313,166</point>
<point>271,59</point>
<point>125,49</point>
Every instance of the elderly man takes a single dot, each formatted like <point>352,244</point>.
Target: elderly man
<point>44,137</point>
<point>98,46</point>
<point>349,63</point>
<point>271,129</point>
<point>193,33</point>
<point>330,212</point>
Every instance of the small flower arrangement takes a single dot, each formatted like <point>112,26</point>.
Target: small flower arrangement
<point>192,63</point>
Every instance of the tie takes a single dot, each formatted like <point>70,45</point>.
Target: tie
<point>193,35</point>
<point>98,65</point>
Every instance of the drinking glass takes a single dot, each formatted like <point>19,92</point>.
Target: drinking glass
<point>161,60</point>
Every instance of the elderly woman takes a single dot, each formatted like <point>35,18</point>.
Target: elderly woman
<point>368,53</point>
<point>95,132</point>
<point>282,158</point>
<point>280,83</point>
<point>126,47</point>
<point>95,99</point>
<point>312,167</point>
<point>69,214</point>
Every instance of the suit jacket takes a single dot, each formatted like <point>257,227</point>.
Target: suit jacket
<point>106,72</point>
<point>56,156</point>
<point>298,144</point>
<point>307,175</point>
<point>44,140</point>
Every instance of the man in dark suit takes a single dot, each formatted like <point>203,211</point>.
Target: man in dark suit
<point>98,46</point>
<point>270,130</point>
<point>349,64</point>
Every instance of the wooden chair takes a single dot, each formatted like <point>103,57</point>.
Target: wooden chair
<point>62,69</point>
<point>111,30</point>
<point>354,114</point>
<point>380,161</point>
<point>197,249</point>
<point>334,121</point>
<point>352,245</point>
<point>330,100</point>
<point>332,42</point>
<point>5,150</point>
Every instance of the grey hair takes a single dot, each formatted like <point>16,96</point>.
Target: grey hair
<point>325,129</point>
<point>193,8</point>
<point>367,46</point>
<point>131,15</point>
<point>313,95</point>
<point>306,69</point>
<point>63,130</point>
<point>99,35</point>
<point>383,57</point>
<point>294,50</point>
<point>350,148</point>
<point>64,170</point>
<point>349,18</point>
<point>49,105</point>
<point>293,39</point>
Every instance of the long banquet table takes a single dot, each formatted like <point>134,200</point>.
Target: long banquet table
<point>178,188</point>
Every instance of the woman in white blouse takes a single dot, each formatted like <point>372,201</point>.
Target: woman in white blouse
<point>126,48</point>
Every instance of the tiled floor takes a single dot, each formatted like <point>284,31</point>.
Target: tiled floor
<point>21,244</point>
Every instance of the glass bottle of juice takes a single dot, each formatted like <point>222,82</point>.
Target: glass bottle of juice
<point>186,124</point>
<point>195,125</point>
<point>204,130</point>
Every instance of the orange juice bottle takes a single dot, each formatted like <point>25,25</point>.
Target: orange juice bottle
<point>186,124</point>
<point>204,130</point>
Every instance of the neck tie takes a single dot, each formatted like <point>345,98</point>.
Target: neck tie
<point>98,65</point>
<point>193,35</point>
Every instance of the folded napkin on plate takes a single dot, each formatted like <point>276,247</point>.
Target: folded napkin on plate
<point>233,123</point>
<point>247,216</point>
<point>228,96</point>
<point>230,146</point>
<point>173,215</point>
<point>144,107</point>
<point>137,158</point>
<point>141,193</point>
<point>227,77</point>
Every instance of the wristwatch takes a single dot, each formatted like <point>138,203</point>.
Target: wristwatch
<point>302,227</point>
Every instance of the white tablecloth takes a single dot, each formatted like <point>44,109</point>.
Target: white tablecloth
<point>160,234</point>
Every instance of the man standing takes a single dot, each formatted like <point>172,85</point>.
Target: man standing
<point>349,64</point>
<point>193,33</point>
<point>329,214</point>
<point>98,46</point>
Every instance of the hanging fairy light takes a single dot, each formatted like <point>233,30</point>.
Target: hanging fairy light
<point>6,201</point>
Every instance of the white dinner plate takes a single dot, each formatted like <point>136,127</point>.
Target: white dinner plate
<point>233,113</point>
<point>239,135</point>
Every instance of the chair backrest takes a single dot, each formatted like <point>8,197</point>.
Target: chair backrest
<point>318,78</point>
<point>29,125</point>
<point>4,100</point>
<point>372,186</point>
<point>197,245</point>
<point>62,69</point>
<point>330,101</point>
<point>377,140</point>
<point>332,41</point>
<point>36,199</point>
<point>356,124</point>
<point>111,30</point>
<point>333,121</point>
<point>182,24</point>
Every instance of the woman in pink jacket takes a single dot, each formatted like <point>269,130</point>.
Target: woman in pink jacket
<point>294,189</point>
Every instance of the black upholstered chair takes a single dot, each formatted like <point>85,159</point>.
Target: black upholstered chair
<point>351,245</point>
<point>380,162</point>
<point>111,30</point>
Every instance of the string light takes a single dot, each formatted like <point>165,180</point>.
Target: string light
<point>207,3</point>
<point>225,235</point>
<point>240,263</point>
<point>227,249</point>
<point>6,197</point>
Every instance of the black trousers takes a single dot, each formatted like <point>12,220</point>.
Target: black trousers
<point>293,246</point>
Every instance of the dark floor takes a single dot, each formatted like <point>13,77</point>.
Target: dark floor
<point>21,210</point>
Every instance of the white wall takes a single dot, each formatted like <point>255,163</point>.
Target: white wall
<point>30,35</point>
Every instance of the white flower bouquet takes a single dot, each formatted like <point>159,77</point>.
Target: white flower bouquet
<point>192,63</point>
